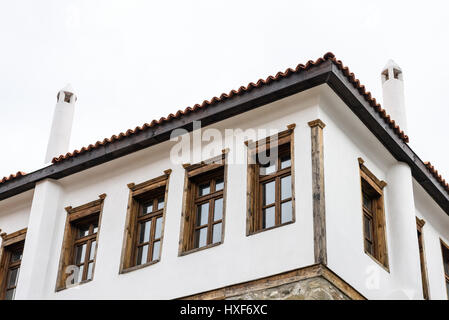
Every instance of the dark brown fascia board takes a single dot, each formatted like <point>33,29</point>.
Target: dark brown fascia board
<point>326,72</point>
<point>398,148</point>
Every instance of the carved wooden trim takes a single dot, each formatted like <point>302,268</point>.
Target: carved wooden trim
<point>420,223</point>
<point>187,219</point>
<point>445,246</point>
<point>74,214</point>
<point>379,232</point>
<point>8,240</point>
<point>368,175</point>
<point>313,271</point>
<point>253,209</point>
<point>130,233</point>
<point>422,258</point>
<point>319,207</point>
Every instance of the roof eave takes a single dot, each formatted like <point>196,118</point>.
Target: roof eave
<point>325,72</point>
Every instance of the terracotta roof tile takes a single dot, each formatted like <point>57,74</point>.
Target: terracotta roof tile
<point>242,90</point>
<point>12,176</point>
<point>437,176</point>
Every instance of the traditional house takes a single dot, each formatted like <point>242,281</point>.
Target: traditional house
<point>299,186</point>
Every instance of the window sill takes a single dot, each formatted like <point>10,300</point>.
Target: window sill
<point>270,228</point>
<point>199,249</point>
<point>386,268</point>
<point>140,266</point>
<point>74,285</point>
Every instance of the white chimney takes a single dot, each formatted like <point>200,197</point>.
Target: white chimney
<point>61,128</point>
<point>393,93</point>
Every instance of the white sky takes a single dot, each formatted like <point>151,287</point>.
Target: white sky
<point>132,61</point>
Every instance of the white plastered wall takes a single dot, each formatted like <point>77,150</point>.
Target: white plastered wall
<point>15,212</point>
<point>436,227</point>
<point>238,259</point>
<point>345,139</point>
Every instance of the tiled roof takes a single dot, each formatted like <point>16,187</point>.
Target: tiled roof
<point>12,176</point>
<point>242,90</point>
<point>437,176</point>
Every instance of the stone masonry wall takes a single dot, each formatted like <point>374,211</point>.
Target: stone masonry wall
<point>316,288</point>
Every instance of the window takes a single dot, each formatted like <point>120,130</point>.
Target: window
<point>145,223</point>
<point>204,205</point>
<point>11,258</point>
<point>422,258</point>
<point>85,246</point>
<point>373,215</point>
<point>445,251</point>
<point>270,197</point>
<point>79,248</point>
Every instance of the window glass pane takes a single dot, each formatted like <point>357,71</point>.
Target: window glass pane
<point>219,184</point>
<point>145,228</point>
<point>268,193</point>
<point>202,214</point>
<point>90,269</point>
<point>158,231</point>
<point>204,189</point>
<point>83,230</point>
<point>367,202</point>
<point>216,235</point>
<point>16,255</point>
<point>95,228</point>
<point>285,162</point>
<point>200,237</point>
<point>286,212</point>
<point>286,187</point>
<point>10,294</point>
<point>368,224</point>
<point>142,253</point>
<point>218,209</point>
<point>156,249</point>
<point>446,259</point>
<point>80,274</point>
<point>12,277</point>
<point>160,203</point>
<point>80,254</point>
<point>268,217</point>
<point>268,168</point>
<point>148,208</point>
<point>368,247</point>
<point>92,250</point>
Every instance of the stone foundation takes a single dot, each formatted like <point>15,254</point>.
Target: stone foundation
<point>310,289</point>
<point>315,282</point>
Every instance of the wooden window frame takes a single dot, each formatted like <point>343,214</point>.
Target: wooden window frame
<point>444,246</point>
<point>380,255</point>
<point>422,258</point>
<point>204,170</point>
<point>67,258</point>
<point>9,241</point>
<point>137,192</point>
<point>254,215</point>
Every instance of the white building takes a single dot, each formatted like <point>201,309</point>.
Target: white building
<point>346,211</point>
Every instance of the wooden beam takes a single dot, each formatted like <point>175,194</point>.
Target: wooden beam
<point>309,272</point>
<point>319,208</point>
<point>325,73</point>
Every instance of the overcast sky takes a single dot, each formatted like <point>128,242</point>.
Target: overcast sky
<point>133,61</point>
